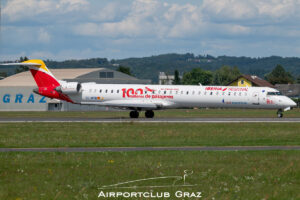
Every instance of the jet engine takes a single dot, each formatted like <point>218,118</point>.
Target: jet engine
<point>68,87</point>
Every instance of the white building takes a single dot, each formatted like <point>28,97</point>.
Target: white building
<point>165,79</point>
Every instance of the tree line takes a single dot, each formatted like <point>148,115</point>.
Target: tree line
<point>227,74</point>
<point>195,75</point>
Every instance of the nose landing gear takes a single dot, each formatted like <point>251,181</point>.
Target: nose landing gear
<point>279,113</point>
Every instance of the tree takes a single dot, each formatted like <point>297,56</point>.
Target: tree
<point>279,76</point>
<point>176,80</point>
<point>298,79</point>
<point>125,70</point>
<point>225,75</point>
<point>22,68</point>
<point>197,76</point>
<point>3,75</point>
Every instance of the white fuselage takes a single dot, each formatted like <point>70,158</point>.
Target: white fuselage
<point>153,97</point>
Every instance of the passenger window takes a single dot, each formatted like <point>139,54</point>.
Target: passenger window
<point>228,93</point>
<point>234,93</point>
<point>187,92</point>
<point>217,93</point>
<point>165,92</point>
<point>204,93</point>
<point>170,91</point>
<point>90,90</point>
<point>106,91</point>
<point>223,93</point>
<point>193,92</point>
<point>117,91</point>
<point>181,92</point>
<point>199,93</point>
<point>176,92</point>
<point>100,91</point>
<point>240,94</point>
<point>112,91</point>
<point>211,93</point>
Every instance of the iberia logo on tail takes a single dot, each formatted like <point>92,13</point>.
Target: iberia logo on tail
<point>41,74</point>
<point>45,80</point>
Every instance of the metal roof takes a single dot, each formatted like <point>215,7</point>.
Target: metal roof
<point>256,81</point>
<point>26,79</point>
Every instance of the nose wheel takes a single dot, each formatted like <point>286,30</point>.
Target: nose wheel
<point>134,114</point>
<point>149,114</point>
<point>279,113</point>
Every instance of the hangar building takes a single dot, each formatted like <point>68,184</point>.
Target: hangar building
<point>16,91</point>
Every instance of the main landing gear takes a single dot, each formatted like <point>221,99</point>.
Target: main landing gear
<point>135,114</point>
<point>280,113</point>
<point>149,114</point>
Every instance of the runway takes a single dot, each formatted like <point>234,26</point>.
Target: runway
<point>130,149</point>
<point>154,120</point>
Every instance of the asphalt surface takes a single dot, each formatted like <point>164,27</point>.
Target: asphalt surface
<point>154,120</point>
<point>128,149</point>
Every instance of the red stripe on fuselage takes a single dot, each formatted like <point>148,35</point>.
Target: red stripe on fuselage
<point>44,80</point>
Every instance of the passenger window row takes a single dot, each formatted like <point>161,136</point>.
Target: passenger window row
<point>217,93</point>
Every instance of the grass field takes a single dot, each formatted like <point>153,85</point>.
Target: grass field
<point>235,113</point>
<point>218,175</point>
<point>145,134</point>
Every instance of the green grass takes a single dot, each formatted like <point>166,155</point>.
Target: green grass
<point>205,113</point>
<point>147,134</point>
<point>218,175</point>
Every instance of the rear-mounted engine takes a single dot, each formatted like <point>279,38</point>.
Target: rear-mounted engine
<point>68,87</point>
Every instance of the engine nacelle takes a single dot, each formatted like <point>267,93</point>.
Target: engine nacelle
<point>68,87</point>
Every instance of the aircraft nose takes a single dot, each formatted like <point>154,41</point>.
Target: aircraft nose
<point>286,101</point>
<point>292,103</point>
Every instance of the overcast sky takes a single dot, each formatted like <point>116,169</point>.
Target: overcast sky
<point>74,29</point>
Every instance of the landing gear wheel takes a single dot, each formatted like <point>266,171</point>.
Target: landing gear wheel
<point>134,114</point>
<point>149,114</point>
<point>279,113</point>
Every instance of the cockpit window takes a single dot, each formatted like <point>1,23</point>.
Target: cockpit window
<point>274,93</point>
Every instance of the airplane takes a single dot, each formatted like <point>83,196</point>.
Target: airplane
<point>148,98</point>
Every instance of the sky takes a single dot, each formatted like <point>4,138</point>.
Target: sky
<point>115,29</point>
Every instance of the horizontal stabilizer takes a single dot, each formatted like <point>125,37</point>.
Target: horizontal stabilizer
<point>24,64</point>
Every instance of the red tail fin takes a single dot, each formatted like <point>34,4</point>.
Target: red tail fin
<point>42,76</point>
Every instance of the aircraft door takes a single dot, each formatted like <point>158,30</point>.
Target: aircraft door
<point>54,106</point>
<point>255,98</point>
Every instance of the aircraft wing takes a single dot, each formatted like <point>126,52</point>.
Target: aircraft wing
<point>142,104</point>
